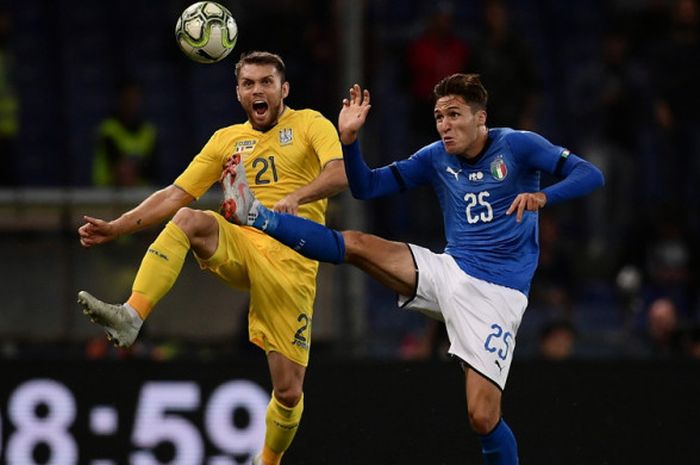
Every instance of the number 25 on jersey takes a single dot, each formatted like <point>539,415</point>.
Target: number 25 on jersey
<point>474,201</point>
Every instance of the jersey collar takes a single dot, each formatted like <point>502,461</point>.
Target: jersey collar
<point>477,159</point>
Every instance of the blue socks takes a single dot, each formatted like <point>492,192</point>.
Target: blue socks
<point>499,446</point>
<point>310,239</point>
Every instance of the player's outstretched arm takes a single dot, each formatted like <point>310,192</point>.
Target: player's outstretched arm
<point>365,183</point>
<point>353,114</point>
<point>331,181</point>
<point>155,208</point>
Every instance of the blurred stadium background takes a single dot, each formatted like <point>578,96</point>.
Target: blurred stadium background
<point>614,310</point>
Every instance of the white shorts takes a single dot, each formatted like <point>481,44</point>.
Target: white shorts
<point>481,318</point>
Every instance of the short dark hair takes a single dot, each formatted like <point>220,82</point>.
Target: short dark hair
<point>262,58</point>
<point>467,86</point>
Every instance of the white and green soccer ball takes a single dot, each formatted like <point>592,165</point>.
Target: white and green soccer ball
<point>206,32</point>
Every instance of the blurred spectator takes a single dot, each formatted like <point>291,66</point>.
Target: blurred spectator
<point>646,20</point>
<point>679,66</point>
<point>659,260</point>
<point>507,70</point>
<point>319,62</point>
<point>663,328</point>
<point>628,281</point>
<point>553,285</point>
<point>126,144</point>
<point>437,53</point>
<point>305,33</point>
<point>670,266</point>
<point>434,344</point>
<point>9,105</point>
<point>676,62</point>
<point>692,347</point>
<point>557,340</point>
<point>608,104</point>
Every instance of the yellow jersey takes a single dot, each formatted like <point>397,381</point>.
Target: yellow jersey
<point>277,162</point>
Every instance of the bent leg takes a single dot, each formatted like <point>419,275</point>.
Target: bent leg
<point>163,261</point>
<point>201,229</point>
<point>391,263</point>
<point>498,444</point>
<point>285,408</point>
<point>310,239</point>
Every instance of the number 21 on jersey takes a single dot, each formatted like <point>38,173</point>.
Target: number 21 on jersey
<point>265,170</point>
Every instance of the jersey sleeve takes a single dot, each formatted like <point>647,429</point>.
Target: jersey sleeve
<point>579,177</point>
<point>535,151</point>
<point>204,169</point>
<point>366,183</point>
<point>324,139</point>
<point>417,169</point>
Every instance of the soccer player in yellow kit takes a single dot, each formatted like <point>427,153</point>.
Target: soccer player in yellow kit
<point>294,161</point>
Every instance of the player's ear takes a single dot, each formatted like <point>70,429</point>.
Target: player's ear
<point>238,95</point>
<point>285,89</point>
<point>481,117</point>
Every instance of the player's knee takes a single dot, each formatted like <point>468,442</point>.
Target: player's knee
<point>185,219</point>
<point>288,395</point>
<point>483,420</point>
<point>355,245</point>
<point>191,221</point>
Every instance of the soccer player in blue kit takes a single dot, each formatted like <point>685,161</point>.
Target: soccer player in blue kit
<point>488,185</point>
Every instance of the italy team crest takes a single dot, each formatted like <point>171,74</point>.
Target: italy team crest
<point>286,136</point>
<point>499,169</point>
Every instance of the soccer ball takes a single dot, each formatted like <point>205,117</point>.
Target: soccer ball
<point>206,32</point>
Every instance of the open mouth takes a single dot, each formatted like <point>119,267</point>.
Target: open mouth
<point>259,107</point>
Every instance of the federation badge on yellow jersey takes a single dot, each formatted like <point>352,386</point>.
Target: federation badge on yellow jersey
<point>286,136</point>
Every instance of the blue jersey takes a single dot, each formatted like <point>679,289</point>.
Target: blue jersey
<point>474,196</point>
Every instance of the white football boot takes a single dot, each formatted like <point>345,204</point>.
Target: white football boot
<point>239,205</point>
<point>121,324</point>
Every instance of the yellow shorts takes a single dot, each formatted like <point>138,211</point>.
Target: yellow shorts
<point>281,282</point>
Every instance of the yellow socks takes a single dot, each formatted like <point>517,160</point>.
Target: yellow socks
<point>159,269</point>
<point>282,423</point>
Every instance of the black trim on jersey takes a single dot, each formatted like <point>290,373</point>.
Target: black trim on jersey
<point>560,165</point>
<point>466,365</point>
<point>415,266</point>
<point>399,179</point>
<point>476,159</point>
